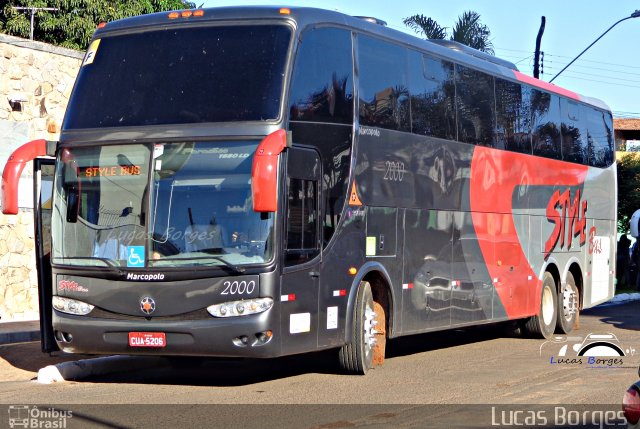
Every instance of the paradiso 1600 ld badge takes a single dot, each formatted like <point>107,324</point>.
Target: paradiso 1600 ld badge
<point>147,305</point>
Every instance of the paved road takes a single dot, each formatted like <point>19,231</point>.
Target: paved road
<point>483,365</point>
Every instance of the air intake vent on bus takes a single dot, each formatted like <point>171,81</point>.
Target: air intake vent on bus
<point>474,53</point>
<point>373,20</point>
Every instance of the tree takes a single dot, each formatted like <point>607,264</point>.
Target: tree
<point>74,23</point>
<point>468,30</point>
<point>426,26</point>
<point>628,189</point>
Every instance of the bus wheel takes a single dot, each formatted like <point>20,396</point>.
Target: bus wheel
<point>356,357</point>
<point>543,324</point>
<point>568,301</point>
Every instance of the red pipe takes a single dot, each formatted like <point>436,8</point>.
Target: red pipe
<point>13,169</point>
<point>264,172</point>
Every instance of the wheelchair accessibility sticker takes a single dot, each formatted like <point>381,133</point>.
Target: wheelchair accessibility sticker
<point>135,256</point>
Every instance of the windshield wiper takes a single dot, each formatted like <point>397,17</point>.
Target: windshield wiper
<point>236,269</point>
<point>108,262</point>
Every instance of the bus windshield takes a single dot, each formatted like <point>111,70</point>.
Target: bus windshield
<point>181,76</point>
<point>159,205</point>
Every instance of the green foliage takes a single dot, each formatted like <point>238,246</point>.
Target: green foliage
<point>468,30</point>
<point>74,23</point>
<point>628,189</point>
<point>425,26</point>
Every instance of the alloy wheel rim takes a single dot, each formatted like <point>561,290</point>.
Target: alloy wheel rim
<point>568,302</point>
<point>370,331</point>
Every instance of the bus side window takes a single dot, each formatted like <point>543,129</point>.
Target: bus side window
<point>302,242</point>
<point>545,115</point>
<point>599,138</point>
<point>384,92</point>
<point>513,123</point>
<point>475,101</point>
<point>322,88</point>
<point>432,89</point>
<point>574,135</point>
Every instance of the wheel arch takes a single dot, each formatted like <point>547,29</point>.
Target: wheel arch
<point>552,268</point>
<point>575,269</point>
<point>380,282</point>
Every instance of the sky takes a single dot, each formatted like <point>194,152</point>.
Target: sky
<point>609,70</point>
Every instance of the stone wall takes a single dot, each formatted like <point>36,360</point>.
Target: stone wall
<point>18,276</point>
<point>35,85</point>
<point>35,82</point>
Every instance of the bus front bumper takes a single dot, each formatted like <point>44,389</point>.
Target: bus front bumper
<point>242,336</point>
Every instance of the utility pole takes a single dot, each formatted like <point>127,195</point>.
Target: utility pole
<point>33,12</point>
<point>536,58</point>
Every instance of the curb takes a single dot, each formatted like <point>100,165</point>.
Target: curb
<point>19,337</point>
<point>19,332</point>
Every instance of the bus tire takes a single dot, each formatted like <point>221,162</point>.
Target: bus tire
<point>568,304</point>
<point>356,357</point>
<point>543,324</point>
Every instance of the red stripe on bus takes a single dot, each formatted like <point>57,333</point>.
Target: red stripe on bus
<point>495,175</point>
<point>545,85</point>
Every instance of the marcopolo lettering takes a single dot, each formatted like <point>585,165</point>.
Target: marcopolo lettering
<point>145,277</point>
<point>366,131</point>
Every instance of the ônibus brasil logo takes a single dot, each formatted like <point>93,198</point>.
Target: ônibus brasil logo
<point>26,416</point>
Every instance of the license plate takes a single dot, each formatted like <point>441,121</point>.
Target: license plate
<point>147,339</point>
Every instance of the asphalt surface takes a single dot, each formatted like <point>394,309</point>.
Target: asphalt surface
<point>477,373</point>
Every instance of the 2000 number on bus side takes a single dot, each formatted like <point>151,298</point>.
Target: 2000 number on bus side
<point>239,287</point>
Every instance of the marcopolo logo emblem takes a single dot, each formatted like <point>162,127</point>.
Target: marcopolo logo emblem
<point>147,305</point>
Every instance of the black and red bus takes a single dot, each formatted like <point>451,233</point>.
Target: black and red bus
<point>261,182</point>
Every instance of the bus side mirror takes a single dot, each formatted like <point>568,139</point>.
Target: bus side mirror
<point>13,169</point>
<point>264,171</point>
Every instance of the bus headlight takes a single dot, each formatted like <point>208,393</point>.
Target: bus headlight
<point>71,306</point>
<point>240,308</point>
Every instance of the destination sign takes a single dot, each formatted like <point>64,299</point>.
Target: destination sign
<point>119,170</point>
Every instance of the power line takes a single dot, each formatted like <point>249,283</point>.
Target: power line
<point>626,73</point>
<point>593,61</point>
<point>602,76</point>
<point>547,54</point>
<point>525,58</point>
<point>603,82</point>
<point>513,50</point>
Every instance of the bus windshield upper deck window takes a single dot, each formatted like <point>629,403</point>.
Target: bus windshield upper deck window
<point>181,76</point>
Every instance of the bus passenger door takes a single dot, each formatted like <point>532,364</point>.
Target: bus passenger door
<point>301,251</point>
<point>599,286</point>
<point>43,169</point>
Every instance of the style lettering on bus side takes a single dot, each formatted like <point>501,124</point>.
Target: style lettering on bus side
<point>572,210</point>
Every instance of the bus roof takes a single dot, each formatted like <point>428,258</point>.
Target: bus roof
<point>304,16</point>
